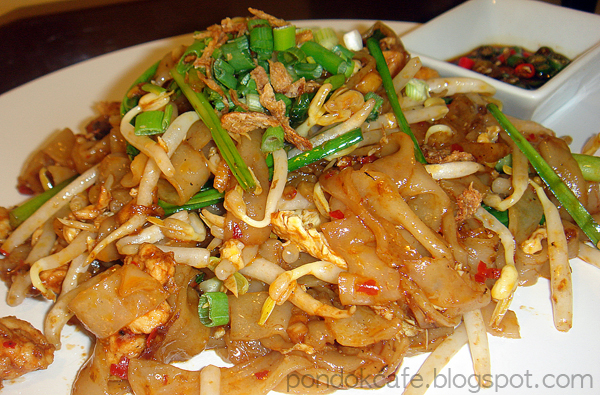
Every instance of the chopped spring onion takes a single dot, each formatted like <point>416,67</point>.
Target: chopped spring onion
<point>417,89</point>
<point>589,165</point>
<point>130,101</point>
<point>560,190</point>
<point>19,214</point>
<point>213,309</point>
<point>506,161</point>
<point>284,37</point>
<point>253,102</point>
<point>224,73</point>
<point>309,71</point>
<point>211,285</point>
<point>151,88</point>
<point>336,81</point>
<point>331,62</point>
<point>378,104</point>
<point>272,139</point>
<point>241,282</point>
<point>291,56</point>
<point>153,122</point>
<point>191,53</point>
<point>261,41</point>
<point>199,277</point>
<point>236,52</point>
<point>353,40</point>
<point>326,37</point>
<point>253,23</point>
<point>343,52</point>
<point>204,198</point>
<point>224,143</point>
<point>299,110</point>
<point>286,100</point>
<point>388,84</point>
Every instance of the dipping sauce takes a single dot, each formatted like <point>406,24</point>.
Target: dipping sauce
<point>514,65</point>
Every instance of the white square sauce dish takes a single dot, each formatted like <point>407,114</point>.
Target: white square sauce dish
<point>525,23</point>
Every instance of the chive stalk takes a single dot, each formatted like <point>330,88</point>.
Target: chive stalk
<point>204,198</point>
<point>322,151</point>
<point>224,143</point>
<point>19,214</point>
<point>558,188</point>
<point>388,84</point>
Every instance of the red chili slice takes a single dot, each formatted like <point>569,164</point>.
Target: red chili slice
<point>120,369</point>
<point>525,70</point>
<point>483,273</point>
<point>369,287</point>
<point>9,344</point>
<point>261,375</point>
<point>337,214</point>
<point>465,62</point>
<point>237,231</point>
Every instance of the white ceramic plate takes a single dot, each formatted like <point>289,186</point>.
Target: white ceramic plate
<point>544,360</point>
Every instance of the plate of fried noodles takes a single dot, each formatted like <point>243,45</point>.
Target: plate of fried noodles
<point>297,207</point>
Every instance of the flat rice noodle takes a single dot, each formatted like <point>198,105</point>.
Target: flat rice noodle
<point>371,368</point>
<point>346,237</point>
<point>363,328</point>
<point>238,351</point>
<point>125,295</point>
<point>115,166</point>
<point>88,153</point>
<point>444,287</point>
<point>249,149</point>
<point>245,312</point>
<point>191,173</point>
<point>482,245</point>
<point>260,375</point>
<point>156,378</point>
<point>186,336</point>
<point>508,327</point>
<point>411,179</point>
<point>390,243</point>
<point>557,154</point>
<point>486,152</point>
<point>92,378</point>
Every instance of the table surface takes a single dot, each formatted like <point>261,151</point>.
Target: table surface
<point>39,44</point>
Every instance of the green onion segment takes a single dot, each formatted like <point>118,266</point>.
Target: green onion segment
<point>213,309</point>
<point>560,190</point>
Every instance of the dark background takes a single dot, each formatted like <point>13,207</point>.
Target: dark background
<point>40,39</point>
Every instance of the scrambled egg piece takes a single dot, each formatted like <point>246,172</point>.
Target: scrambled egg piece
<point>232,251</point>
<point>299,228</point>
